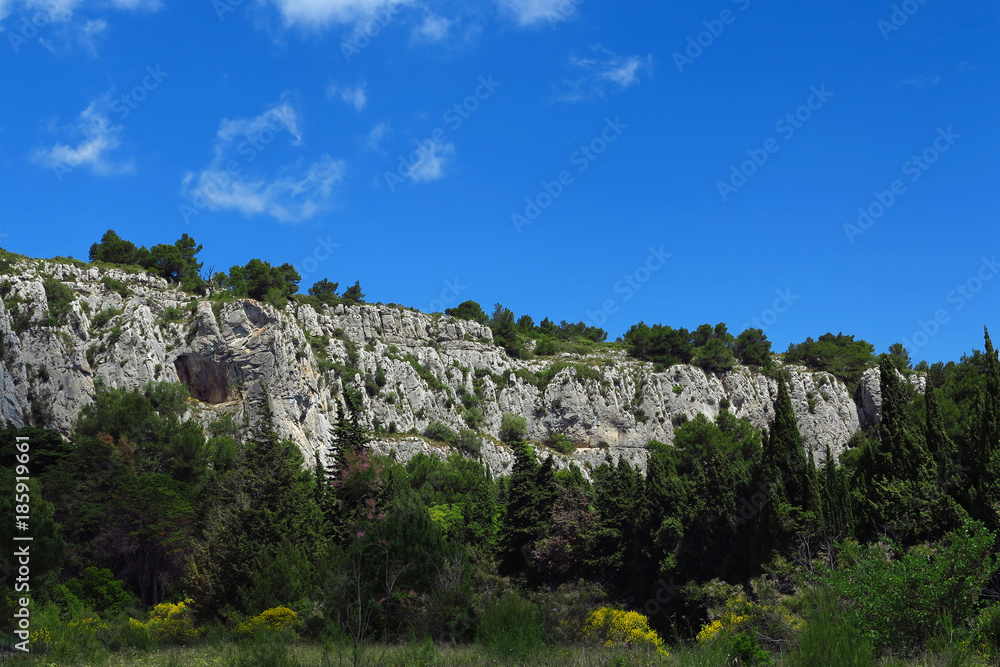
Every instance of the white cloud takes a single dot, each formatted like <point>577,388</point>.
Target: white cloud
<point>603,73</point>
<point>142,5</point>
<point>98,138</point>
<point>378,133</point>
<point>297,193</point>
<point>433,29</point>
<point>356,97</point>
<point>431,163</point>
<point>89,33</point>
<point>533,12</point>
<point>319,13</point>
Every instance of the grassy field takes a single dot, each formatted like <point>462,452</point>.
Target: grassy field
<point>425,654</point>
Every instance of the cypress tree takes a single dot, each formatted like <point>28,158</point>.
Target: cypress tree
<point>939,444</point>
<point>985,466</point>
<point>521,520</point>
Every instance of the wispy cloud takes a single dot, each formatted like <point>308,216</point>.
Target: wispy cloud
<point>430,166</point>
<point>297,192</point>
<point>378,133</point>
<point>433,29</point>
<point>95,138</point>
<point>356,97</point>
<point>534,12</point>
<point>321,13</point>
<point>603,73</point>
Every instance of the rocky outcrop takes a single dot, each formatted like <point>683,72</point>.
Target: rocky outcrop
<point>870,399</point>
<point>409,368</point>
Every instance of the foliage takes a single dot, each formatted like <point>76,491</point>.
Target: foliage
<point>99,590</point>
<point>259,280</point>
<point>468,310</point>
<point>512,428</point>
<point>59,299</point>
<point>510,626</point>
<point>170,623</point>
<point>280,620</point>
<point>353,294</point>
<point>442,433</point>
<point>752,348</point>
<point>838,354</point>
<point>615,627</point>
<point>325,291</point>
<point>113,249</point>
<point>899,598</point>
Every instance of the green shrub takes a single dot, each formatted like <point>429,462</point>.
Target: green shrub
<point>59,298</point>
<point>441,432</point>
<point>116,286</point>
<point>426,375</point>
<point>101,591</point>
<point>103,317</point>
<point>986,633</point>
<point>898,599</point>
<point>560,443</point>
<point>510,626</point>
<point>747,651</point>
<point>469,442</point>
<point>474,418</point>
<point>546,347</point>
<point>513,428</point>
<point>171,314</point>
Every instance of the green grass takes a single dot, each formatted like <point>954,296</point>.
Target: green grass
<point>424,653</point>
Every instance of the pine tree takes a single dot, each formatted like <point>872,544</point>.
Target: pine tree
<point>275,511</point>
<point>530,495</point>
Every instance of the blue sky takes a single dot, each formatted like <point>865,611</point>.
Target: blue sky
<point>812,167</point>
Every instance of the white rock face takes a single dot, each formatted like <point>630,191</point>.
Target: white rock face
<point>871,393</point>
<point>609,405</point>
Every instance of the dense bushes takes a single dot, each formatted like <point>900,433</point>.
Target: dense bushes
<point>838,354</point>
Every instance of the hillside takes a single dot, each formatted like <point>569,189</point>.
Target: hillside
<point>410,369</point>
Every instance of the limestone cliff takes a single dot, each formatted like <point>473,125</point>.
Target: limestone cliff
<point>127,329</point>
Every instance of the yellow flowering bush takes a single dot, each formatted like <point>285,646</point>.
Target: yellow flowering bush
<point>40,639</point>
<point>741,613</point>
<point>617,628</point>
<point>277,619</point>
<point>170,623</point>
